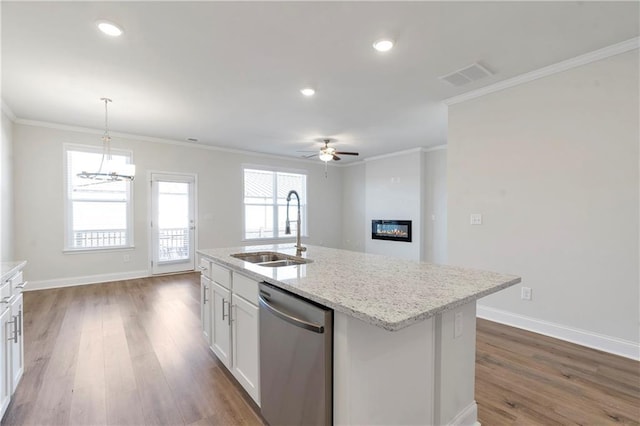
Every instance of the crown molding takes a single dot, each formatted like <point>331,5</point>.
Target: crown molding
<point>435,148</point>
<point>568,64</point>
<point>153,139</point>
<point>355,163</point>
<point>403,152</point>
<point>8,111</point>
<point>394,154</point>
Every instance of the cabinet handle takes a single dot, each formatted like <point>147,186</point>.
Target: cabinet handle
<point>15,329</point>
<point>202,268</point>
<point>232,308</point>
<point>22,285</point>
<point>20,322</point>
<point>6,299</point>
<point>204,295</point>
<point>224,316</point>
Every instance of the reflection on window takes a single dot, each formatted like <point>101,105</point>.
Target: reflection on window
<point>98,212</point>
<point>265,201</point>
<point>173,221</point>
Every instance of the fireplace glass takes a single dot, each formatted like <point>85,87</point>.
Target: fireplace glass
<point>392,230</point>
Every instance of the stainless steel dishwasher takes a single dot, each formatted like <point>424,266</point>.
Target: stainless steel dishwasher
<point>296,359</point>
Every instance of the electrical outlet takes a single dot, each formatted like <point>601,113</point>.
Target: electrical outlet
<point>457,325</point>
<point>126,258</point>
<point>476,219</point>
<point>525,293</point>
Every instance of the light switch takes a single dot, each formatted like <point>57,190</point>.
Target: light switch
<point>476,219</point>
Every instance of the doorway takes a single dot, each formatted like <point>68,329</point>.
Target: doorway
<point>172,223</point>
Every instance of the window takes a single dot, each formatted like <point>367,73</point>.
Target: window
<point>98,213</point>
<point>265,203</point>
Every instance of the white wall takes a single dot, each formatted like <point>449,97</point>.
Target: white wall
<point>435,206</point>
<point>553,167</point>
<point>394,191</point>
<point>39,230</point>
<point>6,189</point>
<point>354,229</point>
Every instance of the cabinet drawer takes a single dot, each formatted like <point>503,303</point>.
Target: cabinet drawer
<point>205,267</point>
<point>16,282</point>
<point>245,287</point>
<point>221,275</point>
<point>5,293</point>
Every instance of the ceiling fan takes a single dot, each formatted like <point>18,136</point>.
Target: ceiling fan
<point>328,153</point>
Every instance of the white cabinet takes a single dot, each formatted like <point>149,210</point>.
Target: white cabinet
<point>11,333</point>
<point>221,330</point>
<point>246,359</point>
<point>233,323</point>
<point>5,347</point>
<point>16,341</point>
<point>205,307</point>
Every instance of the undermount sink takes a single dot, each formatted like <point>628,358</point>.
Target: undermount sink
<point>271,259</point>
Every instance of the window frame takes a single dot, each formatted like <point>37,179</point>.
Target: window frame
<point>68,208</point>
<point>274,205</point>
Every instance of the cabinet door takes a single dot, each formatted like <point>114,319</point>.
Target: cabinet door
<point>17,343</point>
<point>6,331</point>
<point>246,351</point>
<point>205,307</point>
<point>220,329</point>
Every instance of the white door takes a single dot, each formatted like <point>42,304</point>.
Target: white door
<point>17,343</point>
<point>6,331</point>
<point>172,223</point>
<point>220,323</point>
<point>246,350</point>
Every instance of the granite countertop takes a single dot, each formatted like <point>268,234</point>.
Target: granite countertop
<point>388,292</point>
<point>10,268</point>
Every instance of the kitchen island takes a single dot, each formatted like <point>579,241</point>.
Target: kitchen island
<point>404,331</point>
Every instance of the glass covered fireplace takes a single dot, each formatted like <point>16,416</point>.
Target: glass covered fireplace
<point>393,230</point>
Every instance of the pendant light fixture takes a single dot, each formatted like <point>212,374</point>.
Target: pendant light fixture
<point>109,170</point>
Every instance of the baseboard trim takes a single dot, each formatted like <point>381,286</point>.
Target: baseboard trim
<point>87,279</point>
<point>466,417</point>
<point>609,344</point>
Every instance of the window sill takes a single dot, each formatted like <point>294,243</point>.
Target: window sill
<point>97,250</point>
<point>255,241</point>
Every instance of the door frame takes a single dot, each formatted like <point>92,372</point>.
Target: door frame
<point>149,181</point>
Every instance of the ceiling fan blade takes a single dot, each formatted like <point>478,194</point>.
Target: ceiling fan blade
<point>346,153</point>
<point>315,154</point>
<point>335,157</point>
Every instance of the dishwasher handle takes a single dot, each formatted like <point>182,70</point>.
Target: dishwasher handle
<point>291,319</point>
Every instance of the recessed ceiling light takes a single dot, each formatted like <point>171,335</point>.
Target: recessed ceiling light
<point>308,91</point>
<point>109,28</point>
<point>383,45</point>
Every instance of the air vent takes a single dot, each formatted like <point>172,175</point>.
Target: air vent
<point>466,75</point>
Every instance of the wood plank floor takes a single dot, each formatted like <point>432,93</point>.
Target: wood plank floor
<point>131,353</point>
<point>123,353</point>
<point>528,379</point>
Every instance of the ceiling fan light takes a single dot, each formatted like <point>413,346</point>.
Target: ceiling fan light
<point>325,156</point>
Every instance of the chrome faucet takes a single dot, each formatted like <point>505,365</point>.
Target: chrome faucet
<point>287,229</point>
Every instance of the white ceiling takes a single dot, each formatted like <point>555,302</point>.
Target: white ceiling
<point>229,73</point>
